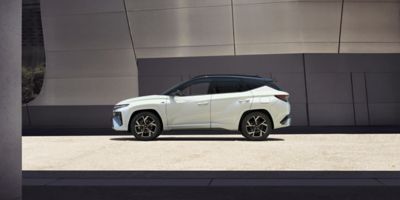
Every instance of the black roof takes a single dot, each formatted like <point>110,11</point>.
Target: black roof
<point>230,76</point>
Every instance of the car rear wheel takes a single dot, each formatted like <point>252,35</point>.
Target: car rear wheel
<point>146,126</point>
<point>256,126</point>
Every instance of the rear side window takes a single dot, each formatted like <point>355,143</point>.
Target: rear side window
<point>253,84</point>
<point>226,86</point>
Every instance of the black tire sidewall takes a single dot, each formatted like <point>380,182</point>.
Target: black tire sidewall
<point>157,121</point>
<point>247,117</point>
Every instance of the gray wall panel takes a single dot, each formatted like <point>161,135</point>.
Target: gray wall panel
<point>134,5</point>
<point>384,113</point>
<point>71,117</point>
<point>298,114</point>
<point>67,7</point>
<point>334,63</point>
<point>331,114</point>
<point>99,63</point>
<point>371,27</point>
<point>361,114</point>
<point>383,87</point>
<point>86,91</point>
<point>263,65</point>
<point>359,88</point>
<point>329,88</point>
<point>89,51</point>
<point>303,26</point>
<point>25,116</point>
<point>165,52</point>
<point>275,1</point>
<point>289,47</point>
<point>157,84</point>
<point>201,31</point>
<point>381,72</point>
<point>370,47</point>
<point>76,32</point>
<point>183,27</point>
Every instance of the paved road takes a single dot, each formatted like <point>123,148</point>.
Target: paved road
<point>214,152</point>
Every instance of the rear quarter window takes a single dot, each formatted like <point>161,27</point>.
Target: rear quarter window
<point>253,84</point>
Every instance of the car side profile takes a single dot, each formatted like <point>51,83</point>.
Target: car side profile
<point>250,104</point>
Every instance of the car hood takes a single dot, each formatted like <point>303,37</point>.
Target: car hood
<point>142,98</point>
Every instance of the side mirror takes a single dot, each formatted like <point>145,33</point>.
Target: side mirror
<point>177,93</point>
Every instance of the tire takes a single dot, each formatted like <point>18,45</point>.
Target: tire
<point>256,126</point>
<point>146,126</point>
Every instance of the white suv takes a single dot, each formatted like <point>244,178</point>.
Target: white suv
<point>250,104</point>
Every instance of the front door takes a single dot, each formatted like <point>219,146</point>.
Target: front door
<point>190,106</point>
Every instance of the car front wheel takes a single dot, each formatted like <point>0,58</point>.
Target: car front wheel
<point>146,126</point>
<point>256,126</point>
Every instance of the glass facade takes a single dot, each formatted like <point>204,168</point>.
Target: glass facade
<point>33,55</point>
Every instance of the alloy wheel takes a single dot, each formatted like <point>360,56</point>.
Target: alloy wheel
<point>146,126</point>
<point>256,126</point>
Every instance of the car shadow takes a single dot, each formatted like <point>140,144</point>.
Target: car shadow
<point>170,138</point>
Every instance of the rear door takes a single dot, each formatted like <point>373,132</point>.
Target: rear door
<point>228,101</point>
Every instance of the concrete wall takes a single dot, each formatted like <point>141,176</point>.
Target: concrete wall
<point>89,53</point>
<point>326,89</point>
<point>90,63</point>
<point>10,99</point>
<point>187,28</point>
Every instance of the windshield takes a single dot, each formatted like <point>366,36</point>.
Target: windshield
<point>174,88</point>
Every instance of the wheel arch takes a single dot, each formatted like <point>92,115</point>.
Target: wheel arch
<point>145,110</point>
<point>255,110</point>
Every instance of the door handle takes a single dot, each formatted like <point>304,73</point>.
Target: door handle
<point>202,103</point>
<point>244,100</point>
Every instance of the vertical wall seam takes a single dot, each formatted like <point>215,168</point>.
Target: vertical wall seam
<point>130,32</point>
<point>233,29</point>
<point>340,27</point>
<point>28,114</point>
<point>352,97</point>
<point>306,90</point>
<point>133,45</point>
<point>366,97</point>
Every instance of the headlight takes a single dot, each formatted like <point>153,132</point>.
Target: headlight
<point>120,106</point>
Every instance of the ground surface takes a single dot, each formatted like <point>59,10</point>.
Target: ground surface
<point>214,152</point>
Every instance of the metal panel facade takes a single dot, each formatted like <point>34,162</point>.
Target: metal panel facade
<point>90,58</point>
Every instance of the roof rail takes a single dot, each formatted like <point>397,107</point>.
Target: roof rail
<point>231,75</point>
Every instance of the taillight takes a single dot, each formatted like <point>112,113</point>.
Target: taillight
<point>283,97</point>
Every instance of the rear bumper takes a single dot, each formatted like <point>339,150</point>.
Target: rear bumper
<point>285,122</point>
<point>281,114</point>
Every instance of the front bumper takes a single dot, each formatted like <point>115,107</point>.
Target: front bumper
<point>117,121</point>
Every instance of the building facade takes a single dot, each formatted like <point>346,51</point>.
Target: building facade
<point>339,59</point>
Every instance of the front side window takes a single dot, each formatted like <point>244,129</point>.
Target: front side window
<point>197,88</point>
<point>226,86</point>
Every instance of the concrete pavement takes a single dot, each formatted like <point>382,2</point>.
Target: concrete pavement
<point>214,152</point>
